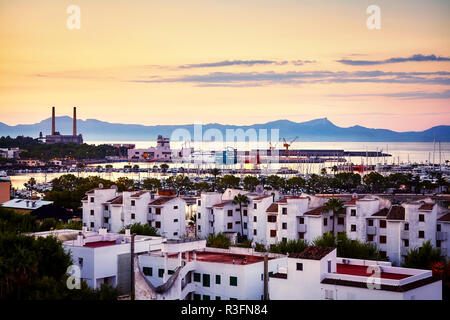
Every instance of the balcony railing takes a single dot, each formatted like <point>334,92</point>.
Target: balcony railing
<point>371,230</point>
<point>106,214</point>
<point>150,216</point>
<point>404,234</point>
<point>302,228</point>
<point>404,251</point>
<point>441,236</point>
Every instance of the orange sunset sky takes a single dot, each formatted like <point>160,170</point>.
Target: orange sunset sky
<point>231,62</point>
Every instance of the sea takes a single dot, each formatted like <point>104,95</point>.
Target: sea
<point>401,153</point>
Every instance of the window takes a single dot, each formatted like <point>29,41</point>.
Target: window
<point>254,232</point>
<point>353,228</point>
<point>132,203</point>
<point>217,278</point>
<point>158,210</point>
<point>284,226</point>
<point>383,254</point>
<point>92,212</point>
<point>382,224</point>
<point>92,224</point>
<point>233,281</point>
<point>175,207</point>
<point>92,199</point>
<point>284,211</point>
<point>196,277</point>
<point>217,298</point>
<point>382,239</point>
<point>302,220</point>
<point>329,295</point>
<point>147,271</point>
<point>206,297</point>
<point>106,208</point>
<point>301,235</point>
<point>175,233</point>
<point>105,220</point>
<point>175,220</point>
<point>230,225</point>
<point>238,222</point>
<point>421,234</point>
<point>245,212</point>
<point>206,280</point>
<point>149,210</point>
<point>438,228</point>
<point>353,212</point>
<point>133,216</point>
<point>254,219</point>
<point>197,296</point>
<point>299,266</point>
<point>80,262</point>
<point>370,222</point>
<point>157,224</point>
<point>329,266</point>
<point>273,233</point>
<point>406,226</point>
<point>160,273</point>
<point>325,221</point>
<point>199,228</point>
<point>199,203</point>
<point>340,220</point>
<point>230,213</point>
<point>245,225</point>
<point>406,242</point>
<point>421,218</point>
<point>438,243</point>
<point>284,240</point>
<point>255,206</point>
<point>370,237</point>
<point>271,218</point>
<point>199,215</point>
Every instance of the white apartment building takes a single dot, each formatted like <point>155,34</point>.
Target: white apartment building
<point>317,274</point>
<point>103,257</point>
<point>106,208</point>
<point>269,219</point>
<point>188,270</point>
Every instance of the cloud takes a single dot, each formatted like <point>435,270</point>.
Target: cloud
<point>411,95</point>
<point>227,63</point>
<point>242,79</point>
<point>414,58</point>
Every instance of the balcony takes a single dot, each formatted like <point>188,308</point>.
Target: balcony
<point>107,226</point>
<point>106,214</point>
<point>441,236</point>
<point>371,230</point>
<point>404,234</point>
<point>302,228</point>
<point>404,251</point>
<point>150,217</point>
<point>211,218</point>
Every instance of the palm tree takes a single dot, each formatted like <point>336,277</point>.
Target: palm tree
<point>335,205</point>
<point>241,199</point>
<point>215,172</point>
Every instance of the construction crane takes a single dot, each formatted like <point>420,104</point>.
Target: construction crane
<point>287,145</point>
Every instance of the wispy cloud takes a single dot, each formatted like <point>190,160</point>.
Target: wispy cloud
<point>414,58</point>
<point>411,95</point>
<point>296,77</point>
<point>227,63</point>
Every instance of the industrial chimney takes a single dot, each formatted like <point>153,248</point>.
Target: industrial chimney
<point>74,121</point>
<point>53,121</point>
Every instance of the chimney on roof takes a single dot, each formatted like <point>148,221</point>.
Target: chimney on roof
<point>74,121</point>
<point>80,239</point>
<point>53,120</point>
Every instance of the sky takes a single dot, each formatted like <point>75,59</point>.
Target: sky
<point>231,62</point>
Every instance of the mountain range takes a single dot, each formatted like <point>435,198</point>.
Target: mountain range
<point>314,130</point>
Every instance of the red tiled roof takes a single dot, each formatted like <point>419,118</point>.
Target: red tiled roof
<point>138,194</point>
<point>262,197</point>
<point>272,208</point>
<point>396,213</point>
<point>312,253</point>
<point>315,212</point>
<point>160,201</point>
<point>382,213</point>
<point>222,204</point>
<point>426,207</point>
<point>445,218</point>
<point>100,244</point>
<point>357,270</point>
<point>116,200</point>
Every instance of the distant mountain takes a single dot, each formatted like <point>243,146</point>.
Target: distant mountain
<point>314,130</point>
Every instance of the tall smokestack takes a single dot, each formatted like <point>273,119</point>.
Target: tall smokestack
<point>74,121</point>
<point>53,120</point>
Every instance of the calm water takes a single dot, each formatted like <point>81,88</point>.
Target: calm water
<point>402,152</point>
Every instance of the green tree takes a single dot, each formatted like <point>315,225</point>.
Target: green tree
<point>141,229</point>
<point>295,184</point>
<point>152,184</point>
<point>240,200</point>
<point>124,184</point>
<point>290,246</point>
<point>250,183</point>
<point>276,182</point>
<point>164,167</point>
<point>423,257</point>
<point>335,206</point>
<point>375,182</point>
<point>219,240</point>
<point>228,181</point>
<point>215,172</point>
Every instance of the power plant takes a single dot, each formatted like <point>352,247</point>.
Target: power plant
<point>56,137</point>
